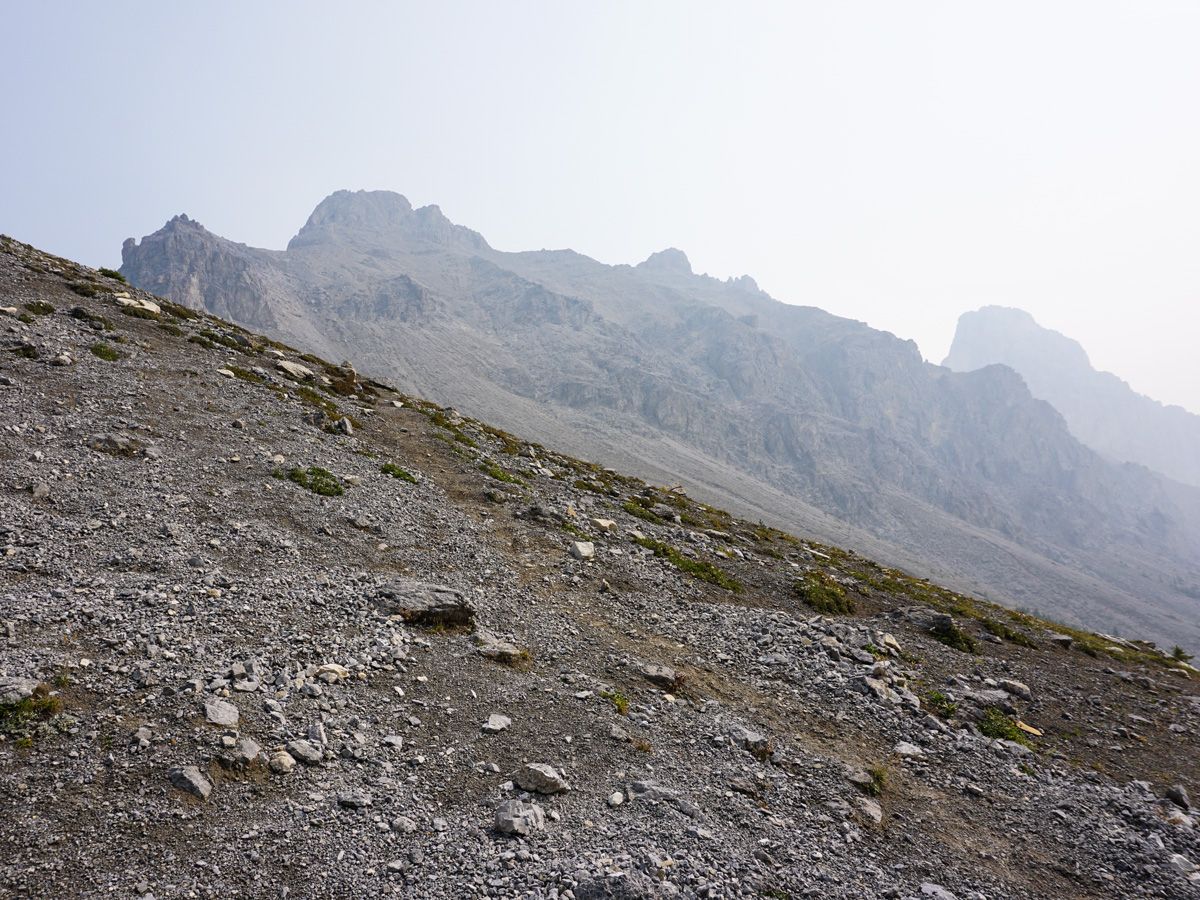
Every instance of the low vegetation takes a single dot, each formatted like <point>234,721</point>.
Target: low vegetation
<point>314,478</point>
<point>997,725</point>
<point>396,471</point>
<point>697,568</point>
<point>822,592</point>
<point>105,351</point>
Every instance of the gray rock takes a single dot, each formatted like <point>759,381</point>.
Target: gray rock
<point>189,779</point>
<point>425,603</point>
<point>1016,688</point>
<point>519,818</point>
<point>540,778</point>
<point>305,752</point>
<point>219,712</point>
<point>583,550</point>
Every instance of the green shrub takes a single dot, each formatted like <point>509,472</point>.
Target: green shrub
<point>997,725</point>
<point>824,594</point>
<point>113,274</point>
<point>953,636</point>
<point>699,569</point>
<point>246,375</point>
<point>39,308</point>
<point>619,701</point>
<point>636,509</point>
<point>314,478</point>
<point>396,472</point>
<point>941,705</point>
<point>105,352</point>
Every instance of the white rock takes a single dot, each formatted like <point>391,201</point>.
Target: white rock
<point>496,723</point>
<point>583,550</point>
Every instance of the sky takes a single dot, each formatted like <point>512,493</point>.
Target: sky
<point>896,163</point>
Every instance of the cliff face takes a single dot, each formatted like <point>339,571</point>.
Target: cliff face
<point>1101,410</point>
<point>785,412</point>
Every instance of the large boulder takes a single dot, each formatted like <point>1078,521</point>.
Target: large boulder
<point>425,603</point>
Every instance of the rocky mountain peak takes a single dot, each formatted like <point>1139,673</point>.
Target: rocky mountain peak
<point>1100,409</point>
<point>669,260</point>
<point>380,218</point>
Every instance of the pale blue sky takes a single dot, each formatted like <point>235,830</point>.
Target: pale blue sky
<point>893,162</point>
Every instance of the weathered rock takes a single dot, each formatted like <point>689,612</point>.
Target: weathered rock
<point>1178,795</point>
<point>189,778</point>
<point>220,712</point>
<point>519,818</point>
<point>540,778</point>
<point>496,723</point>
<point>427,604</point>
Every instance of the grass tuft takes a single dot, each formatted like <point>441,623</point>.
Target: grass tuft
<point>820,591</point>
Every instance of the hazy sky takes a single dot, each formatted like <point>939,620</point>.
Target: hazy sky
<point>895,162</point>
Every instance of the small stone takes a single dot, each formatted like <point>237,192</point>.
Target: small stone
<point>540,778</point>
<point>305,752</point>
<point>219,712</point>
<point>583,550</point>
<point>496,723</point>
<point>616,798</point>
<point>189,778</point>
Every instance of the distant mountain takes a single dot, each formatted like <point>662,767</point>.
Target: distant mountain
<point>786,413</point>
<point>1101,410</point>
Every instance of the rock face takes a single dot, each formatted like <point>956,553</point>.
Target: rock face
<point>830,427</point>
<point>1101,410</point>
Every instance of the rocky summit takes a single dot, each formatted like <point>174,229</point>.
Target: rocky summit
<point>273,629</point>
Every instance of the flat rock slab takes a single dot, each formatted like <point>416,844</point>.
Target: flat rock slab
<point>220,712</point>
<point>425,603</point>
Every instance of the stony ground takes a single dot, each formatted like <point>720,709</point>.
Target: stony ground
<point>272,630</point>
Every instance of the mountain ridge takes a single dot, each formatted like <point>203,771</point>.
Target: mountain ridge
<point>931,469</point>
<point>1100,408</point>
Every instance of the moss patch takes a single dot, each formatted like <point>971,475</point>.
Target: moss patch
<point>699,569</point>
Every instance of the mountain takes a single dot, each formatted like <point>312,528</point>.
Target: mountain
<point>781,412</point>
<point>1101,410</point>
<point>273,629</point>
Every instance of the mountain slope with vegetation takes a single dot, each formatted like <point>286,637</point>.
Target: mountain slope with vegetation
<point>784,413</point>
<point>271,626</point>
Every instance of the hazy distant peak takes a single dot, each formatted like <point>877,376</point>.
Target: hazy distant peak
<point>361,209</point>
<point>1100,409</point>
<point>995,334</point>
<point>669,260</point>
